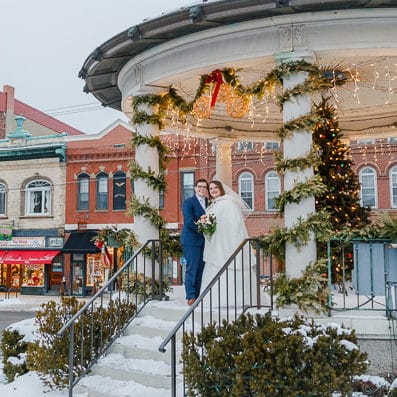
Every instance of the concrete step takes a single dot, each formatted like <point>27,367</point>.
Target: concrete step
<point>99,386</point>
<point>133,363</point>
<point>147,372</point>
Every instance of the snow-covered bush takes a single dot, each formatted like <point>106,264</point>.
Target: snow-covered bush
<point>49,354</point>
<point>266,356</point>
<point>13,348</point>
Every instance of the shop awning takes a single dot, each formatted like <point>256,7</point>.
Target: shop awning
<point>81,242</point>
<point>27,257</point>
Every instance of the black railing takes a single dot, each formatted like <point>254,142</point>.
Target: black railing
<point>9,291</point>
<point>368,282</point>
<point>94,328</point>
<point>236,288</point>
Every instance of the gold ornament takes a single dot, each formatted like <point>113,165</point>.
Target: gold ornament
<point>237,106</point>
<point>202,107</point>
<point>224,93</point>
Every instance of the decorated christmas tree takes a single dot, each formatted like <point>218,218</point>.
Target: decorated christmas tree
<point>342,197</point>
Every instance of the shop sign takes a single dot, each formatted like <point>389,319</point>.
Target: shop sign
<point>5,232</point>
<point>55,242</point>
<point>23,242</point>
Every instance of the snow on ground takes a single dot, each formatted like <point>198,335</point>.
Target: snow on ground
<point>30,385</point>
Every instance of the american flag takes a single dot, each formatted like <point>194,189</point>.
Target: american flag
<point>106,257</point>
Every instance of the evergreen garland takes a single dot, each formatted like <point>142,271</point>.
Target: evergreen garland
<point>304,123</point>
<point>296,164</point>
<point>309,188</point>
<point>157,182</point>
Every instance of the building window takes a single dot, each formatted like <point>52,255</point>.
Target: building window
<point>161,199</point>
<point>102,196</point>
<point>83,192</point>
<point>393,187</point>
<point>119,191</point>
<point>368,187</point>
<point>38,198</point>
<point>246,188</point>
<point>271,146</point>
<point>272,190</point>
<point>245,146</point>
<point>3,199</point>
<point>187,184</point>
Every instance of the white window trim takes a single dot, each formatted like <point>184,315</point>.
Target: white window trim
<point>251,177</point>
<point>393,170</point>
<point>44,190</point>
<point>3,189</point>
<point>267,192</point>
<point>375,185</point>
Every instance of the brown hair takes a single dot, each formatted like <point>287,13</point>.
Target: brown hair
<point>201,180</point>
<point>219,186</point>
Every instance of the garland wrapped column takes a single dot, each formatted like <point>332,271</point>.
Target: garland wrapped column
<point>297,145</point>
<point>147,162</point>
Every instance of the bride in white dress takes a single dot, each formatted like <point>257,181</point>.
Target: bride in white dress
<point>240,279</point>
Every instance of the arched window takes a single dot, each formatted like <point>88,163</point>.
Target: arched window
<point>119,191</point>
<point>102,191</point>
<point>393,187</point>
<point>272,190</point>
<point>38,198</point>
<point>3,199</point>
<point>246,188</point>
<point>368,187</point>
<point>83,192</point>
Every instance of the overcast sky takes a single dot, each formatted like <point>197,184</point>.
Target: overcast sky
<point>44,43</point>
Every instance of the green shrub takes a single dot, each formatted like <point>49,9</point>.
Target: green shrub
<point>263,356</point>
<point>49,355</point>
<point>142,285</point>
<point>13,349</point>
<point>372,386</point>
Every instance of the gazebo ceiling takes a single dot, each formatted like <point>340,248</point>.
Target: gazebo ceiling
<point>367,106</point>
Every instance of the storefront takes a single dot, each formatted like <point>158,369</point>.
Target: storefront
<point>84,268</point>
<point>31,265</point>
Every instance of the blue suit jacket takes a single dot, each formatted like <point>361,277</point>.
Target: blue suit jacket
<point>192,211</point>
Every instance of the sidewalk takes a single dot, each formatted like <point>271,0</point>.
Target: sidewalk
<point>29,303</point>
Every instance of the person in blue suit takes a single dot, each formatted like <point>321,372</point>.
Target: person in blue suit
<point>192,241</point>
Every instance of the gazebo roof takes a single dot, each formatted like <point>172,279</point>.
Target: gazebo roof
<point>101,70</point>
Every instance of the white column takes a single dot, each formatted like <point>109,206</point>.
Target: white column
<point>224,160</point>
<point>297,145</point>
<point>148,158</point>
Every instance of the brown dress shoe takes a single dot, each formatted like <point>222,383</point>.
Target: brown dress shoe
<point>191,301</point>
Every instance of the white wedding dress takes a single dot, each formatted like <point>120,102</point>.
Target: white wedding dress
<point>236,284</point>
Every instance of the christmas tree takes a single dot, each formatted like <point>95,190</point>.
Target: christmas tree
<point>342,197</point>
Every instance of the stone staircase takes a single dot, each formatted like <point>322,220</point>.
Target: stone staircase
<point>134,367</point>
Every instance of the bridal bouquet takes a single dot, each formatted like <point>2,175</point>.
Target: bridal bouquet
<point>206,224</point>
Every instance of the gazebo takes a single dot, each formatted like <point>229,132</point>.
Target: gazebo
<point>211,42</point>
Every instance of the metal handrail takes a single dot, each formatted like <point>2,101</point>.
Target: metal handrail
<point>12,289</point>
<point>98,341</point>
<point>224,310</point>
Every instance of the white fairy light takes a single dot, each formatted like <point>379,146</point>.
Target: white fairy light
<point>376,76</point>
<point>390,90</point>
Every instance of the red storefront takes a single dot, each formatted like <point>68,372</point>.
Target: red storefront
<point>31,265</point>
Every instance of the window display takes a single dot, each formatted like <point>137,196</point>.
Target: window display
<point>95,271</point>
<point>33,276</point>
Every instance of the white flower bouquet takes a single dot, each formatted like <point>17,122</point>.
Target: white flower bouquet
<point>206,224</point>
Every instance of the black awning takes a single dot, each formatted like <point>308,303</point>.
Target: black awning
<point>81,242</point>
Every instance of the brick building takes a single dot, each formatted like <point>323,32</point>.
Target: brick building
<point>32,196</point>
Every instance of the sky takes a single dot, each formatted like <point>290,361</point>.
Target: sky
<point>44,43</point>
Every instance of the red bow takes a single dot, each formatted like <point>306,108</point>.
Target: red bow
<point>215,77</point>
